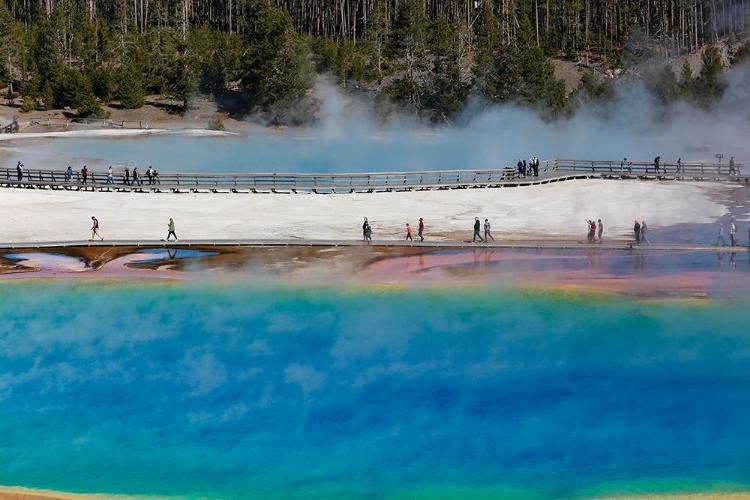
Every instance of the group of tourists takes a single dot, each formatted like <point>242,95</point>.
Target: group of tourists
<point>478,226</point>
<point>732,234</point>
<point>152,175</point>
<point>532,167</point>
<point>367,231</point>
<point>640,229</point>
<point>487,231</point>
<point>593,227</point>
<point>96,234</point>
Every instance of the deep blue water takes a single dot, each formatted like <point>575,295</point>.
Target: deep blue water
<point>229,392</point>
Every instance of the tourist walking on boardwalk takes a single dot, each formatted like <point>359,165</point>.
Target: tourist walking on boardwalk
<point>488,231</point>
<point>477,228</point>
<point>644,236</point>
<point>657,162</point>
<point>95,229</point>
<point>69,174</point>
<point>364,230</point>
<point>126,177</point>
<point>408,233</point>
<point>421,229</point>
<point>150,175</point>
<point>637,231</point>
<point>601,230</point>
<point>19,170</point>
<point>368,232</point>
<point>721,236</point>
<point>171,230</point>
<point>732,233</point>
<point>592,231</point>
<point>521,171</point>
<point>732,170</point>
<point>136,177</point>
<point>622,164</point>
<point>84,174</point>
<point>110,175</point>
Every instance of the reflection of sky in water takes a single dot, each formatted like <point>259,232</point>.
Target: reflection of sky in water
<point>280,393</point>
<point>607,262</point>
<point>156,255</point>
<point>52,262</point>
<point>49,261</point>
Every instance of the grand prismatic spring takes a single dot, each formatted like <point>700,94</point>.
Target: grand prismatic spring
<point>434,374</point>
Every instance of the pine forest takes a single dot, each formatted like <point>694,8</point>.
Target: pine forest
<point>427,58</point>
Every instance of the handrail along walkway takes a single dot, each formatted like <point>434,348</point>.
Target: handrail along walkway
<point>550,171</point>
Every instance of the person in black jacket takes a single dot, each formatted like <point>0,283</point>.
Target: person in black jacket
<point>477,228</point>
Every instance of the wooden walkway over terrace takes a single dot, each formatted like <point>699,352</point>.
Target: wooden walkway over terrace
<point>555,170</point>
<point>218,244</point>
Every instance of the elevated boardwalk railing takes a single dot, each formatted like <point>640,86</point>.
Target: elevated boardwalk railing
<point>549,171</point>
<point>643,169</point>
<point>179,182</point>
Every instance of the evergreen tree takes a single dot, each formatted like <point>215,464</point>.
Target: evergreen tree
<point>448,92</point>
<point>276,69</point>
<point>377,32</point>
<point>525,75</point>
<point>663,85</point>
<point>103,83</point>
<point>408,44</point>
<point>129,88</point>
<point>686,80</point>
<point>711,82</point>
<point>8,44</point>
<point>487,49</point>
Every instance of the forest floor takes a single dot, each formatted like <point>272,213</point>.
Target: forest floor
<point>158,112</point>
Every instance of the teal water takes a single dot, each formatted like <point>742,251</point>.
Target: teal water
<point>272,392</point>
<point>487,144</point>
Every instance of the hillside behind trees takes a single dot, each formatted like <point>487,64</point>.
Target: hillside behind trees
<point>428,58</point>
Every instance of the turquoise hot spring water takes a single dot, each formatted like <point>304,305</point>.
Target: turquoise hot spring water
<point>237,391</point>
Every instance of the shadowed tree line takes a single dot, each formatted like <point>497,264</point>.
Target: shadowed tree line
<point>430,58</point>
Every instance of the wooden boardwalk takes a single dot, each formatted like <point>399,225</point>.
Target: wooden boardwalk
<point>555,170</point>
<point>428,245</point>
